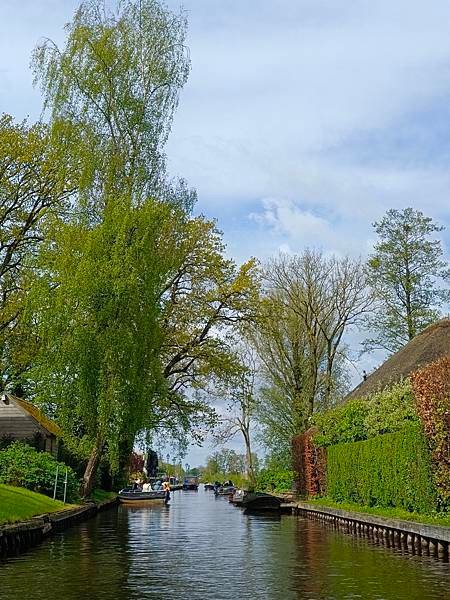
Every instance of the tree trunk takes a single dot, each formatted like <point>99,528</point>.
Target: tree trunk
<point>249,457</point>
<point>91,468</point>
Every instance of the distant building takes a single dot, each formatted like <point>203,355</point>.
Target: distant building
<point>21,420</point>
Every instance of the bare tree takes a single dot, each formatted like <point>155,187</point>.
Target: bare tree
<point>310,302</point>
<point>239,391</point>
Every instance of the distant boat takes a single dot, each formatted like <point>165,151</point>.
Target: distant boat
<point>209,486</point>
<point>190,483</point>
<point>130,496</point>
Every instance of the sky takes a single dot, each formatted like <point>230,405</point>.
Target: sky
<point>302,122</point>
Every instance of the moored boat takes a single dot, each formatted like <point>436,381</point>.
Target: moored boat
<point>261,501</point>
<point>237,497</point>
<point>130,496</point>
<point>190,483</point>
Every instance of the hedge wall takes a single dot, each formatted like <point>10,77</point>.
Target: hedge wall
<point>390,470</point>
<point>431,387</point>
<point>309,463</point>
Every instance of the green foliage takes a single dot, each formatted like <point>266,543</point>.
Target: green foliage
<point>279,459</point>
<point>21,465</point>
<point>18,504</point>
<point>403,272</point>
<point>390,409</point>
<point>34,183</point>
<point>275,480</point>
<point>388,470</point>
<point>94,304</point>
<point>226,460</point>
<point>118,78</point>
<point>384,412</point>
<point>343,424</point>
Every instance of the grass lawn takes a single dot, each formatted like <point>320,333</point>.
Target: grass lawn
<point>19,504</point>
<point>389,513</point>
<point>99,495</point>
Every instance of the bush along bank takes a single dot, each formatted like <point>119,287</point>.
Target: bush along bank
<point>23,466</point>
<point>379,452</point>
<point>390,470</point>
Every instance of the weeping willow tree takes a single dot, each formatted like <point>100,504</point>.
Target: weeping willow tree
<point>117,79</point>
<point>95,307</point>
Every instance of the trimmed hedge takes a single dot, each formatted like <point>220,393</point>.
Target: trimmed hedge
<point>390,470</point>
<point>275,480</point>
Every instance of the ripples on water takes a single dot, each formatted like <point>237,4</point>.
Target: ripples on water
<point>203,547</point>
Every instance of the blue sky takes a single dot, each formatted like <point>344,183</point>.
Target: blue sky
<point>302,122</point>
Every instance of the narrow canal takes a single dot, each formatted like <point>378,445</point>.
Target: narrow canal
<point>202,547</point>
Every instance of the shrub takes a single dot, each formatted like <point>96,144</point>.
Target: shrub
<point>342,424</point>
<point>275,480</point>
<point>391,470</point>
<point>432,395</point>
<point>21,465</point>
<point>356,420</point>
<point>390,409</point>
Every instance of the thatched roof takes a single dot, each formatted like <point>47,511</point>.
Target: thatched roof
<point>428,346</point>
<point>38,416</point>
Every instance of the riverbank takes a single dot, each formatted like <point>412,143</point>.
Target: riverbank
<point>19,504</point>
<point>18,537</point>
<point>389,513</point>
<point>415,537</point>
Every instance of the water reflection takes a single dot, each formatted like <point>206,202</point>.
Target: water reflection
<point>201,547</point>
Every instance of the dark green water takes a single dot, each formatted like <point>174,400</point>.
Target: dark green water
<point>202,547</point>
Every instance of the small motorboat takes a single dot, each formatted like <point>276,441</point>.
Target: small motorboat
<point>225,490</point>
<point>261,501</point>
<point>237,497</point>
<point>130,496</point>
<point>209,486</point>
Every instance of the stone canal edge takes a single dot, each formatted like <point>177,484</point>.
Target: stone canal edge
<point>413,537</point>
<point>20,537</point>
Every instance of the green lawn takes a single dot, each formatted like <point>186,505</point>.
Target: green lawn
<point>19,504</point>
<point>99,495</point>
<point>389,513</point>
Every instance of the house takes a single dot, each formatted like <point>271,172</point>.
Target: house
<point>21,420</point>
<point>428,346</point>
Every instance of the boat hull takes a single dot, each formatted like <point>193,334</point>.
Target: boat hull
<point>137,497</point>
<point>261,502</point>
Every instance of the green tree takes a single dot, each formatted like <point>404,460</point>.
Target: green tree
<point>131,314</point>
<point>95,307</point>
<point>206,296</point>
<point>309,303</point>
<point>117,79</point>
<point>226,461</point>
<point>404,271</point>
<point>35,183</point>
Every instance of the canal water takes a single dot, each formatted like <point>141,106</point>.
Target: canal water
<point>203,547</point>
